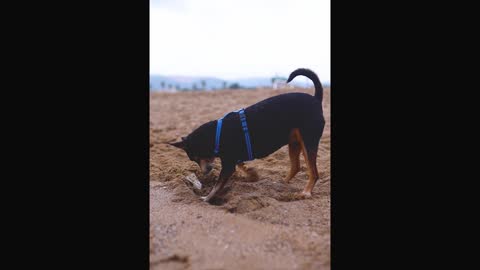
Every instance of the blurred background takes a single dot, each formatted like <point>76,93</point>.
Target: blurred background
<point>232,44</point>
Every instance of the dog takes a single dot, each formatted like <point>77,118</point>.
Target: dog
<point>295,119</point>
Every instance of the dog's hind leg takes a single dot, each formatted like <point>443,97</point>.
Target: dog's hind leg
<point>294,149</point>
<point>309,145</point>
<point>311,160</point>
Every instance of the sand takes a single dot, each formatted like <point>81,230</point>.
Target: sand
<point>259,223</point>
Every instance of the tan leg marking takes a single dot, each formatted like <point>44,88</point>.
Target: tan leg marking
<point>294,149</point>
<point>311,161</point>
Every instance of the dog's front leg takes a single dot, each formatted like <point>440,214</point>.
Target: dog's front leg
<point>228,168</point>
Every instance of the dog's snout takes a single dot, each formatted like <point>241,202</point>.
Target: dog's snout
<point>208,168</point>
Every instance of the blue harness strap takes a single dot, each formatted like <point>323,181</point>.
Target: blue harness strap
<point>243,120</point>
<point>217,135</point>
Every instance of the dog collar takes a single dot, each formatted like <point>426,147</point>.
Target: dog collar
<point>243,120</point>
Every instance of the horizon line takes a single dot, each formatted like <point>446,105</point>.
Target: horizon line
<point>222,78</point>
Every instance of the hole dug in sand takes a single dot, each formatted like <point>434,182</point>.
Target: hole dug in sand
<point>238,196</point>
<point>174,261</point>
<point>250,204</point>
<point>291,196</point>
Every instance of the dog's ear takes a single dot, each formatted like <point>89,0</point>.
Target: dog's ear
<point>181,144</point>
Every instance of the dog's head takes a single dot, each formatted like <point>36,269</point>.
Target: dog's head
<point>199,148</point>
<point>204,160</point>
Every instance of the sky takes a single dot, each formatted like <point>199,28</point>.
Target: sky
<point>232,39</point>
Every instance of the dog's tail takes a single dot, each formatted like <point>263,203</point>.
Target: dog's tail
<point>312,76</point>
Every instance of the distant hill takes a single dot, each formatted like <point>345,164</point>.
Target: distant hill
<point>184,82</point>
<point>212,83</point>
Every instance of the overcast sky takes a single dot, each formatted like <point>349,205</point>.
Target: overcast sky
<point>239,38</point>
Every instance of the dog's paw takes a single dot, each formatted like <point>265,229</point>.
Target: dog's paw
<point>252,175</point>
<point>306,195</point>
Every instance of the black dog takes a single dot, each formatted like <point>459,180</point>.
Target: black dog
<point>295,119</point>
